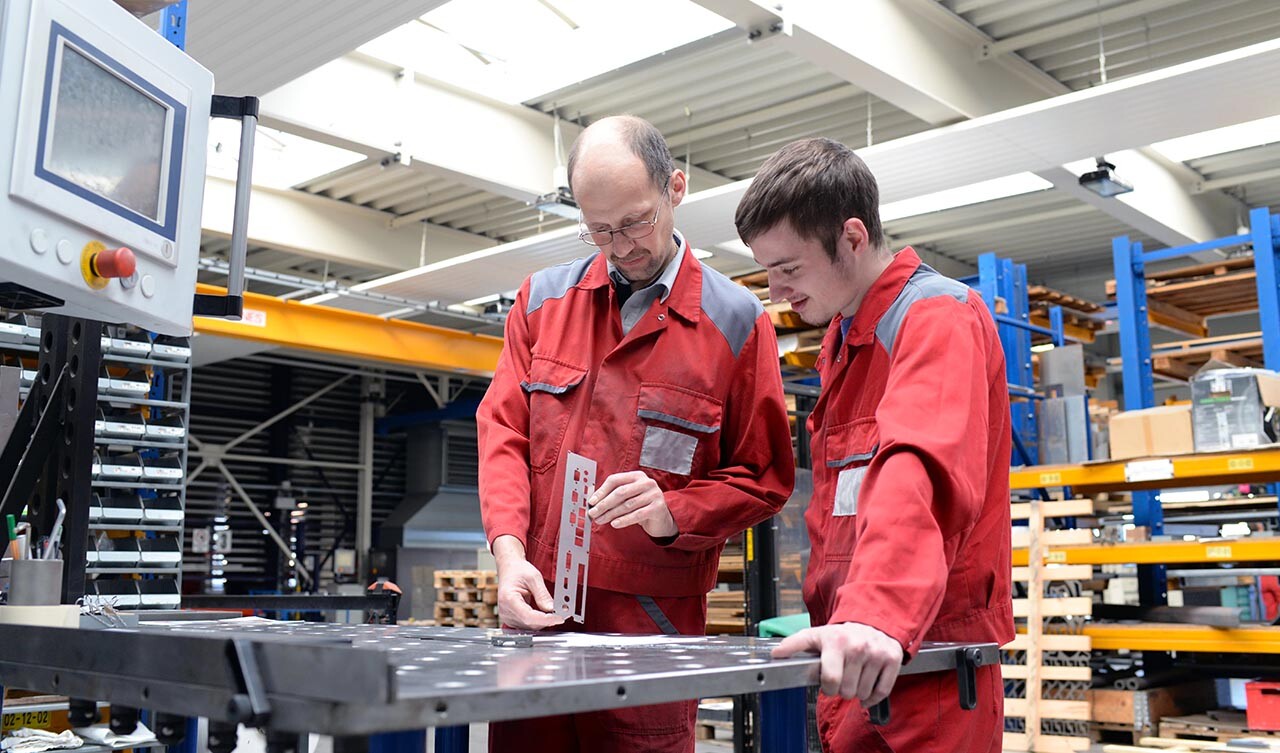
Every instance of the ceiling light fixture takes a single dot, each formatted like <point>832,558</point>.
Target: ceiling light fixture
<point>1103,180</point>
<point>559,202</point>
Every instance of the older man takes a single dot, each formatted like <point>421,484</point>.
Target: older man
<point>666,374</point>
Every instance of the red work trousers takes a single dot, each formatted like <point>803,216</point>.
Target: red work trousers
<point>924,717</point>
<point>661,728</point>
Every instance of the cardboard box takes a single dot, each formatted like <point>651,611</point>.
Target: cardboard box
<point>1235,409</point>
<point>1155,431</point>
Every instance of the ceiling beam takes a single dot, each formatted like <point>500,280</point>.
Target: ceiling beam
<point>322,228</point>
<point>922,59</point>
<point>389,110</point>
<point>253,46</point>
<point>1039,137</point>
<point>1087,22</point>
<point>918,65</point>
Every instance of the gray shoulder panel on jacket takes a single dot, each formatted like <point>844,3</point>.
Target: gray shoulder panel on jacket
<point>554,282</point>
<point>924,284</point>
<point>729,306</point>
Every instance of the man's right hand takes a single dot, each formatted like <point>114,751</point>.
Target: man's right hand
<point>523,600</point>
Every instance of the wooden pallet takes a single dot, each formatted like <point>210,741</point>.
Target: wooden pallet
<point>726,613</point>
<point>714,732</point>
<point>1130,715</point>
<point>465,578</point>
<point>1182,299</point>
<point>1217,726</point>
<point>1033,640</point>
<point>466,614</point>
<point>1041,296</point>
<point>466,597</point>
<point>731,567</point>
<point>1076,320</point>
<point>1181,360</point>
<point>486,595</point>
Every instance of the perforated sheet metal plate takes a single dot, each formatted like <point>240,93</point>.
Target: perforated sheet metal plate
<point>358,679</point>
<point>573,551</point>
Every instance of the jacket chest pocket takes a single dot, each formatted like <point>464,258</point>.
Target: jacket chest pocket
<point>847,454</point>
<point>679,430</point>
<point>551,386</point>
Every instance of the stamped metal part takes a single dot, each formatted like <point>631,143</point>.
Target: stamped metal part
<point>573,549</point>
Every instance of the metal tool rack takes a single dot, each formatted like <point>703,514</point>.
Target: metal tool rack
<point>357,681</point>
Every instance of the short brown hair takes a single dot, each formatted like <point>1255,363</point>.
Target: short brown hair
<point>815,184</point>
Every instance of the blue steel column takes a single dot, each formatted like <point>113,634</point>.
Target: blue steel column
<point>173,24</point>
<point>1265,229</point>
<point>784,721</point>
<point>1268,279</point>
<point>1139,392</point>
<point>987,275</point>
<point>1055,324</point>
<point>413,741</point>
<point>1135,333</point>
<point>996,280</point>
<point>453,739</point>
<point>1011,285</point>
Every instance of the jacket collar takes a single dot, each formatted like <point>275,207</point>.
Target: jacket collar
<point>884,291</point>
<point>683,277</point>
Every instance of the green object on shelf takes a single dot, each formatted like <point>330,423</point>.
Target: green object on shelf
<point>781,627</point>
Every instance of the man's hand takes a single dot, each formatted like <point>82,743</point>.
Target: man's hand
<point>627,499</point>
<point>523,599</point>
<point>858,661</point>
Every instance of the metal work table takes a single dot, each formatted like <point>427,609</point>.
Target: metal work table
<point>355,680</point>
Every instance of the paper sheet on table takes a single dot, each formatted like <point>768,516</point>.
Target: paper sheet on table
<point>102,735</point>
<point>237,621</point>
<point>589,640</point>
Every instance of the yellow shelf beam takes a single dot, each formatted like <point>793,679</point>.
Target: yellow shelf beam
<point>354,335</point>
<point>1262,549</point>
<point>1166,637</point>
<point>1204,468</point>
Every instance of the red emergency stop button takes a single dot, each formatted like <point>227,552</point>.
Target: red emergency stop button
<point>114,262</point>
<point>100,264</point>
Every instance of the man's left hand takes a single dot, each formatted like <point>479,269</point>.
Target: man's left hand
<point>858,661</point>
<point>632,498</point>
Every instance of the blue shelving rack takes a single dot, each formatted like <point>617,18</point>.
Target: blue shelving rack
<point>1135,339</point>
<point>1002,279</point>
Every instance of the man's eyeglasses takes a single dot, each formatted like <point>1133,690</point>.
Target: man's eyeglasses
<point>635,231</point>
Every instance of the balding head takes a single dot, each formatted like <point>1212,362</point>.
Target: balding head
<point>622,176</point>
<point>621,143</point>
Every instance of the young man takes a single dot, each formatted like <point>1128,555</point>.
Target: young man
<point>666,374</point>
<point>909,520</point>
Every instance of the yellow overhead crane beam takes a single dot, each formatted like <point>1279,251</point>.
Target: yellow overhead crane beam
<point>351,334</point>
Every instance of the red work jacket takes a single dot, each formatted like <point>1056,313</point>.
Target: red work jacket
<point>909,520</point>
<point>692,396</point>
<point>910,514</point>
